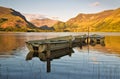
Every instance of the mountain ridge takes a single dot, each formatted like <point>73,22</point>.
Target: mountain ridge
<point>105,21</point>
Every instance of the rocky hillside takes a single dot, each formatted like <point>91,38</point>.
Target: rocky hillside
<point>42,22</point>
<point>107,21</point>
<point>11,19</point>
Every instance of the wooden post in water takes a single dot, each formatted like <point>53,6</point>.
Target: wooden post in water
<point>88,36</point>
<point>70,43</point>
<point>48,53</point>
<point>48,65</point>
<point>88,39</point>
<point>80,44</point>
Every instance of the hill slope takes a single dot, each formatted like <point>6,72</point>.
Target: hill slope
<point>107,21</point>
<point>42,22</point>
<point>12,19</point>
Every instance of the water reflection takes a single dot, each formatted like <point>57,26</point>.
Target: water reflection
<point>102,62</point>
<point>113,44</point>
<point>9,43</point>
<point>49,56</point>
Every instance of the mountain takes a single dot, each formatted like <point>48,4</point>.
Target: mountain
<point>106,21</point>
<point>13,20</point>
<point>42,22</point>
<point>60,26</point>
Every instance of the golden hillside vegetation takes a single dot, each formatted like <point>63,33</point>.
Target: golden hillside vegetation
<point>106,21</point>
<point>13,20</point>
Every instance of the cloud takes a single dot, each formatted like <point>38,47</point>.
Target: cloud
<point>95,4</point>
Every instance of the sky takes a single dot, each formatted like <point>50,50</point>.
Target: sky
<point>60,9</point>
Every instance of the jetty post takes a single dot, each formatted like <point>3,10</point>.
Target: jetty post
<point>29,45</point>
<point>48,65</point>
<point>88,36</point>
<point>88,39</point>
<point>48,53</point>
<point>70,43</point>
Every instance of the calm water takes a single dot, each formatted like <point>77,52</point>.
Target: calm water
<point>99,62</point>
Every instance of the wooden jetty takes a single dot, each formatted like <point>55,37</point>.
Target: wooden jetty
<point>79,40</point>
<point>97,39</point>
<point>57,43</point>
<point>50,44</point>
<point>54,48</point>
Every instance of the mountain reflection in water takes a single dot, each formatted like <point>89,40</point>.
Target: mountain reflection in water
<point>113,44</point>
<point>10,43</point>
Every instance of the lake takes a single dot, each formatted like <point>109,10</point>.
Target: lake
<point>97,62</point>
